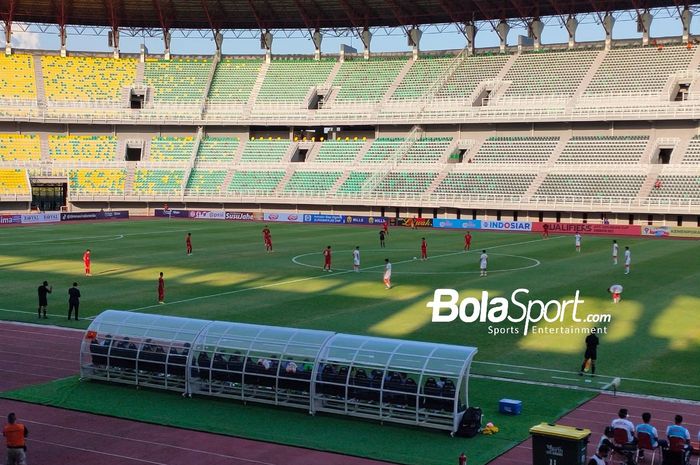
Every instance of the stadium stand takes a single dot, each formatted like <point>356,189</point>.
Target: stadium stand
<point>604,149</point>
<point>264,151</point>
<point>353,183</point>
<point>219,149</point>
<point>312,181</point>
<point>19,147</point>
<point>252,181</point>
<point>339,151</point>
<point>234,80</point>
<point>419,78</point>
<point>516,149</point>
<point>17,77</point>
<point>13,181</point>
<point>83,148</point>
<point>554,73</point>
<point>97,181</point>
<point>470,73</point>
<point>381,149</point>
<point>633,70</point>
<point>171,148</point>
<point>485,183</point>
<point>591,185</point>
<point>85,78</point>
<point>157,181</point>
<point>406,182</point>
<point>203,182</point>
<point>290,80</point>
<point>427,150</point>
<point>366,80</point>
<point>677,187</point>
<point>181,80</point>
<point>692,153</point>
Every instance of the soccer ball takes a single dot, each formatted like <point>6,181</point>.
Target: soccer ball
<point>415,258</point>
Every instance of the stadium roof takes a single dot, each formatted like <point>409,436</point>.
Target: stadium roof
<point>296,14</point>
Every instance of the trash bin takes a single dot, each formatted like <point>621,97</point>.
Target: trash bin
<point>558,445</point>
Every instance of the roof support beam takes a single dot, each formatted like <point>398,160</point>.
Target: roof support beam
<point>61,8</point>
<point>165,22</point>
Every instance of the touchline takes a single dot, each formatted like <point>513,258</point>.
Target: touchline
<point>498,309</point>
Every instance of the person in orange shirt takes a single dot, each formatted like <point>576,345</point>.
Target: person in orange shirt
<point>86,262</point>
<point>14,435</point>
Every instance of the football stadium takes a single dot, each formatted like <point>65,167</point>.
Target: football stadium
<point>477,246</point>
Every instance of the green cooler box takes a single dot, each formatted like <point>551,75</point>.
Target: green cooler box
<point>559,445</point>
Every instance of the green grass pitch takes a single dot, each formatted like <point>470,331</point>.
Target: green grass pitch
<point>652,342</point>
<point>653,334</point>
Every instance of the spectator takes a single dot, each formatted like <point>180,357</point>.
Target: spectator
<point>622,421</point>
<point>647,428</point>
<point>657,184</point>
<point>599,457</point>
<point>677,430</point>
<point>14,435</point>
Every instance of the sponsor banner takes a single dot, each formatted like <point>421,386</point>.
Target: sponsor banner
<point>46,217</point>
<point>671,231</point>
<point>241,216</point>
<point>207,214</point>
<point>10,219</point>
<point>95,215</point>
<point>506,225</point>
<point>450,223</point>
<point>283,217</point>
<point>658,231</point>
<point>170,213</point>
<point>332,219</point>
<point>415,222</point>
<point>364,220</point>
<point>590,228</point>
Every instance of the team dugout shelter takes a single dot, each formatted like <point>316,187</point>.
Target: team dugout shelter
<point>409,382</point>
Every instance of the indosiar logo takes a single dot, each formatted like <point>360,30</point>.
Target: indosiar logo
<point>498,310</point>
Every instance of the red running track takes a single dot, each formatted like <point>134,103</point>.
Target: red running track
<point>31,354</point>
<point>598,412</point>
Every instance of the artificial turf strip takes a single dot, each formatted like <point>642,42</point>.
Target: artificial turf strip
<point>394,443</point>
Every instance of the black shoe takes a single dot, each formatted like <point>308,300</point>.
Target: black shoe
<point>580,373</point>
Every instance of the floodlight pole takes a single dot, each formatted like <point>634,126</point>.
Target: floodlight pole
<point>366,38</point>
<point>571,26</point>
<point>470,33</point>
<point>608,24</point>
<point>414,36</point>
<point>502,30</point>
<point>266,44</point>
<point>686,18</point>
<point>8,17</point>
<point>644,20</point>
<point>317,38</point>
<point>536,26</point>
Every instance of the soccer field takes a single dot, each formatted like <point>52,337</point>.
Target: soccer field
<point>230,277</point>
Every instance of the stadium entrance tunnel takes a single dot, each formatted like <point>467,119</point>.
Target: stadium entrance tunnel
<point>408,382</point>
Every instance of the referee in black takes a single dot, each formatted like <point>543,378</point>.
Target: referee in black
<point>73,300</point>
<point>591,354</point>
<point>44,291</point>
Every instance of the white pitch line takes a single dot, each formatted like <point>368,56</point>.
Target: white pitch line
<point>579,379</point>
<point>111,237</point>
<point>94,451</point>
<point>299,280</point>
<point>29,313</point>
<point>552,370</point>
<point>512,372</point>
